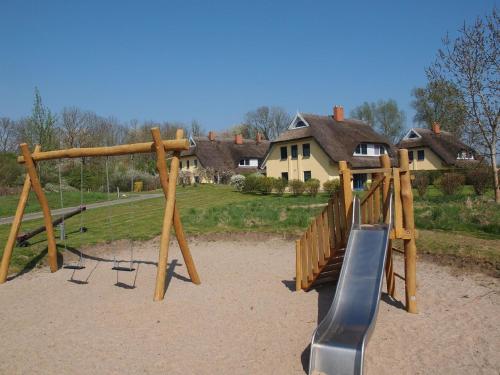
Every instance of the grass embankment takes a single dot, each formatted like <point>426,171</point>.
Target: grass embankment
<point>8,203</point>
<point>448,224</point>
<point>204,209</point>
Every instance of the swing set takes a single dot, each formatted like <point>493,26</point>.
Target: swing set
<point>168,182</point>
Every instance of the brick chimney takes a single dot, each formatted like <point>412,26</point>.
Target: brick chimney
<point>258,138</point>
<point>436,128</point>
<point>238,139</point>
<point>338,113</point>
<point>211,136</point>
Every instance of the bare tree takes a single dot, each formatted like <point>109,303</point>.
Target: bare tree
<point>270,121</point>
<point>73,127</point>
<point>7,135</point>
<point>471,62</point>
<point>197,129</point>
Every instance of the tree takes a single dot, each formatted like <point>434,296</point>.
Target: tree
<point>40,126</point>
<point>7,135</point>
<point>384,116</point>
<point>269,121</point>
<point>196,129</point>
<point>73,127</point>
<point>442,102</point>
<point>471,63</point>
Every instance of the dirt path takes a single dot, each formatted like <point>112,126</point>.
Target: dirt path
<point>38,215</point>
<point>243,319</point>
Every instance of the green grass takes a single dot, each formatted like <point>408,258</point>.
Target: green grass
<point>8,203</point>
<point>214,208</point>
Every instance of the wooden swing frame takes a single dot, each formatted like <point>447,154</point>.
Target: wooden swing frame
<point>168,184</point>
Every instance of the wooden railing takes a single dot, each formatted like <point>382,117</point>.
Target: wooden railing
<point>320,250</point>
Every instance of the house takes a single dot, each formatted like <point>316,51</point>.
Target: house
<point>434,149</point>
<point>313,145</point>
<point>222,155</point>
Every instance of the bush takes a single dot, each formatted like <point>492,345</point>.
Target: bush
<point>266,184</point>
<point>480,179</point>
<point>237,181</point>
<point>280,185</point>
<point>312,187</point>
<point>10,170</point>
<point>252,183</point>
<point>331,186</point>
<point>432,176</point>
<point>450,183</point>
<point>296,187</point>
<point>421,182</point>
<point>184,178</point>
<point>225,176</point>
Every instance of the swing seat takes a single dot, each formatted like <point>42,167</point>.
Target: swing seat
<point>122,268</point>
<point>83,229</point>
<point>74,266</point>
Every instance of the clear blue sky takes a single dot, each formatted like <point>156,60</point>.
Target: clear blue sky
<point>214,61</point>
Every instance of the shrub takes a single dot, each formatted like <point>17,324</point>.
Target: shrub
<point>225,176</point>
<point>296,187</point>
<point>184,178</point>
<point>10,170</point>
<point>312,187</point>
<point>280,185</point>
<point>421,182</point>
<point>331,186</point>
<point>266,185</point>
<point>480,179</point>
<point>450,183</point>
<point>252,183</point>
<point>237,181</point>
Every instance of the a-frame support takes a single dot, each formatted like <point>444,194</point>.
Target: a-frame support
<point>171,215</point>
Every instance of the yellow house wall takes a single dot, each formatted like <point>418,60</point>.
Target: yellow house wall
<point>320,165</point>
<point>192,167</point>
<point>431,161</point>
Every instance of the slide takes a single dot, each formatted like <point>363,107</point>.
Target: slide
<point>339,341</point>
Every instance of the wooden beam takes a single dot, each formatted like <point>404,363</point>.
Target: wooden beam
<point>179,230</point>
<point>298,265</point>
<point>345,178</point>
<point>369,171</point>
<point>44,204</point>
<point>304,260</point>
<point>385,162</point>
<point>168,216</point>
<point>16,225</point>
<point>410,246</point>
<point>134,148</point>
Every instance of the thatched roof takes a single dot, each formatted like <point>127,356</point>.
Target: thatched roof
<point>339,139</point>
<point>224,153</point>
<point>445,145</point>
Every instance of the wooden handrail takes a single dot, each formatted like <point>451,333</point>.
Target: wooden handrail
<point>372,189</point>
<point>369,170</point>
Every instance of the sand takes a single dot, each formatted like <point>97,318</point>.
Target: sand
<point>243,319</point>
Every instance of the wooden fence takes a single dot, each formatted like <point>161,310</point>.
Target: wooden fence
<point>320,249</point>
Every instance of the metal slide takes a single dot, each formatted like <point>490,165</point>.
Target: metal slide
<point>339,341</point>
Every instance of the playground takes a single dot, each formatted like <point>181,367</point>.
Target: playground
<point>244,318</point>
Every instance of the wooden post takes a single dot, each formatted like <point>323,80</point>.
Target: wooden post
<point>326,234</point>
<point>345,178</point>
<point>304,262</point>
<point>339,237</point>
<point>331,225</point>
<point>318,224</point>
<point>44,204</point>
<point>167,220</point>
<point>385,162</point>
<point>410,246</point>
<point>309,251</point>
<point>16,225</point>
<point>398,206</point>
<point>179,231</point>
<point>298,265</point>
<point>313,240</point>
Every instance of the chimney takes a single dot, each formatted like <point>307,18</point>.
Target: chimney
<point>211,136</point>
<point>238,139</point>
<point>338,113</point>
<point>258,138</point>
<point>436,128</point>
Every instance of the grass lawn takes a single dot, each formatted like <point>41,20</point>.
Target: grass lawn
<point>447,224</point>
<point>8,203</point>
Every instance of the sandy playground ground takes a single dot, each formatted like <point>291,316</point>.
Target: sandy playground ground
<point>243,319</point>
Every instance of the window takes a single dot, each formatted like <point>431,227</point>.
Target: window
<point>361,149</point>
<point>306,150</point>
<point>307,175</point>
<point>284,176</point>
<point>249,163</point>
<point>244,162</point>
<point>294,151</point>
<point>300,124</point>
<point>413,135</point>
<point>359,181</point>
<point>410,156</point>
<point>420,155</point>
<point>381,149</point>
<point>465,155</point>
<point>180,165</point>
<point>196,163</point>
<point>187,164</point>
<point>283,152</point>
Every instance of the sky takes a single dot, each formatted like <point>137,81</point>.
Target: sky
<point>214,61</point>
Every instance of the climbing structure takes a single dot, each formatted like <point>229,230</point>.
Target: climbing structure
<point>320,250</point>
<point>168,183</point>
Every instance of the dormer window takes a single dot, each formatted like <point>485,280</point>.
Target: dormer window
<point>412,135</point>
<point>369,149</point>
<point>249,163</point>
<point>300,124</point>
<point>465,155</point>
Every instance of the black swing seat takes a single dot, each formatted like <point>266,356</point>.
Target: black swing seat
<point>83,229</point>
<point>74,266</point>
<point>121,268</point>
